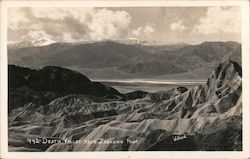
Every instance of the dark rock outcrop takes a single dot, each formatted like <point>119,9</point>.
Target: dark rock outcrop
<point>41,86</point>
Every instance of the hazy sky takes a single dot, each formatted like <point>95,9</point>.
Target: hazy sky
<point>166,24</point>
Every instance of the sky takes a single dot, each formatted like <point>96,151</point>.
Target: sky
<point>163,24</point>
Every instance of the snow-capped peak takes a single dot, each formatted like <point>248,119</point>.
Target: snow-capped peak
<point>134,41</point>
<point>21,44</point>
<point>43,42</point>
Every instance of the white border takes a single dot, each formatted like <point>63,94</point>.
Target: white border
<point>244,4</point>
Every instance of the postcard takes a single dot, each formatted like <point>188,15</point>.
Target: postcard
<point>125,79</point>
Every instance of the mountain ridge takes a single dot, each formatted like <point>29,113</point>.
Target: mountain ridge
<point>113,59</point>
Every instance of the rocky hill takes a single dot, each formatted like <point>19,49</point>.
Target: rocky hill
<point>41,86</point>
<point>206,117</point>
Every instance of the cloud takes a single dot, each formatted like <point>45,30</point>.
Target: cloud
<point>219,20</point>
<point>108,24</point>
<point>138,31</point>
<point>178,26</point>
<point>149,28</point>
<point>146,30</point>
<point>38,34</point>
<point>68,24</point>
<point>17,17</point>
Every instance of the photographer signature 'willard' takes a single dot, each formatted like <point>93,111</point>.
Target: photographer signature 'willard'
<point>179,137</point>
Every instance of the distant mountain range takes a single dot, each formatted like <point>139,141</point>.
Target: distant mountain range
<point>46,41</point>
<point>126,59</point>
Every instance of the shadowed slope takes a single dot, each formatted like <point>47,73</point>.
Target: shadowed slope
<point>42,86</point>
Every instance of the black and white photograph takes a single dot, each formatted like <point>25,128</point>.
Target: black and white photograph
<point>125,78</point>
